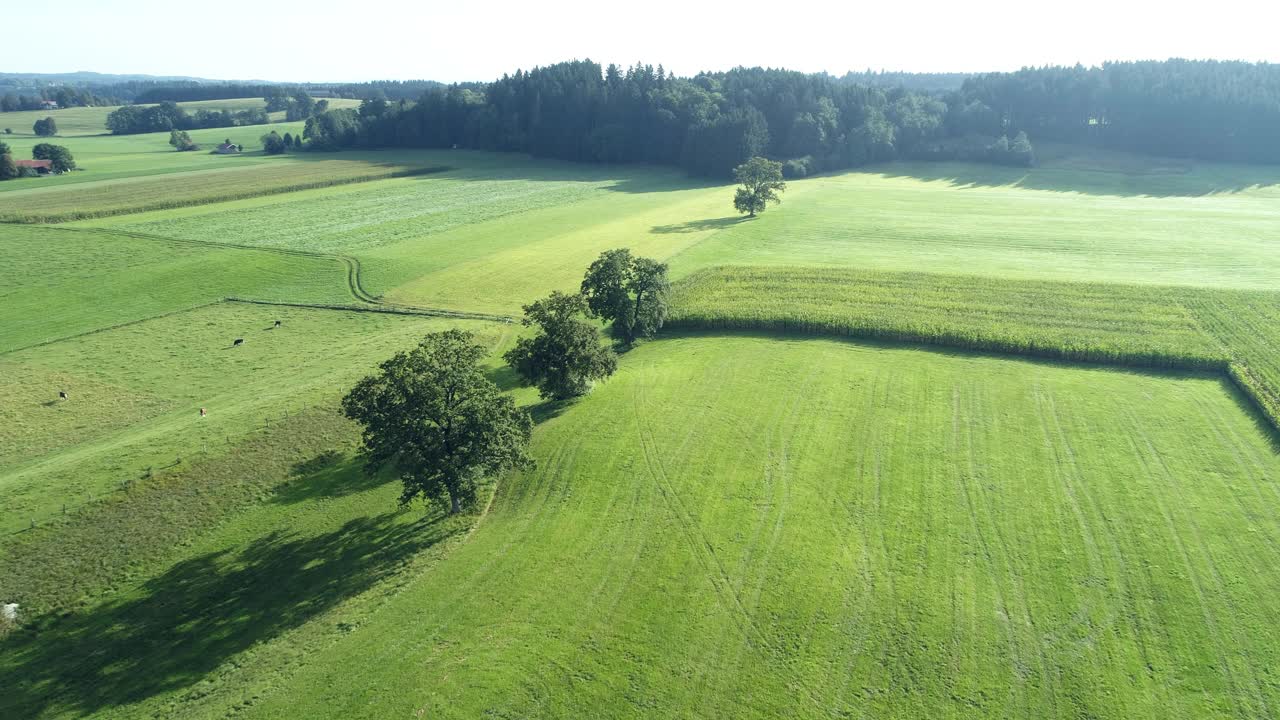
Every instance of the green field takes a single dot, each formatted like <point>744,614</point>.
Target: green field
<point>928,440</point>
<point>748,527</point>
<point>418,248</point>
<point>82,121</point>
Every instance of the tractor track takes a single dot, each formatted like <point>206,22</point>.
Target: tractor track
<point>368,302</point>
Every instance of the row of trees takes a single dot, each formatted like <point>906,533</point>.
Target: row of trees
<point>132,119</point>
<point>64,95</point>
<point>707,124</point>
<point>1184,108</point>
<point>434,416</point>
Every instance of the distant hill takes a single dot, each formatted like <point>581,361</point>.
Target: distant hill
<point>85,77</point>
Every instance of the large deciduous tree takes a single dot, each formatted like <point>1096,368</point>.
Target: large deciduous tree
<point>181,141</point>
<point>628,291</point>
<point>566,355</point>
<point>45,128</point>
<point>8,168</point>
<point>433,416</point>
<point>273,144</point>
<point>761,182</point>
<point>61,157</point>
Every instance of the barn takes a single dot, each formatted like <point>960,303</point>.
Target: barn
<point>43,167</point>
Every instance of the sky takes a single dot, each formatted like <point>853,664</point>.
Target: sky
<point>327,40</point>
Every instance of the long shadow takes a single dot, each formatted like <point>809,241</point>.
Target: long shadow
<point>197,615</point>
<point>1172,179</point>
<point>483,166</point>
<point>698,225</point>
<point>330,474</point>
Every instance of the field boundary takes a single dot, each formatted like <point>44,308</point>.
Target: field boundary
<point>70,216</point>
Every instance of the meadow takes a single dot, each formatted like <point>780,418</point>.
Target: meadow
<point>750,526</point>
<point>1027,472</point>
<point>418,247</point>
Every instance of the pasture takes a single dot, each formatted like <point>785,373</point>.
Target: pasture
<point>1042,496</point>
<point>751,526</point>
<point>420,245</point>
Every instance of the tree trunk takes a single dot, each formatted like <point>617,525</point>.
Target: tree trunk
<point>455,507</point>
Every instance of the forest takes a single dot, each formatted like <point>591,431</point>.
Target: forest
<point>711,122</point>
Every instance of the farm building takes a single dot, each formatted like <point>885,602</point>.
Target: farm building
<point>41,166</point>
<point>226,149</point>
<point>49,104</point>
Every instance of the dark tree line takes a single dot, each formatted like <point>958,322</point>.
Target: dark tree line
<point>1183,108</point>
<point>707,124</point>
<point>583,112</point>
<point>64,95</point>
<point>712,122</point>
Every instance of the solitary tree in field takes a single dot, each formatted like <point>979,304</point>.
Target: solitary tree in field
<point>181,141</point>
<point>45,128</point>
<point>566,354</point>
<point>273,144</point>
<point>761,182</point>
<point>433,416</point>
<point>628,291</point>
<point>61,157</point>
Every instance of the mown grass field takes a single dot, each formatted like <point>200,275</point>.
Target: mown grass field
<point>419,247</point>
<point>755,527</point>
<point>744,522</point>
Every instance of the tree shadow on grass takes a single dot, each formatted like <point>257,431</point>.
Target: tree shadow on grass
<point>330,474</point>
<point>1169,180</point>
<point>694,226</point>
<point>191,619</point>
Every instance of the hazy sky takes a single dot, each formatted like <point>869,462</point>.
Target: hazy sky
<point>324,40</point>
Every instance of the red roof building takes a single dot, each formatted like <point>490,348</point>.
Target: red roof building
<point>43,166</point>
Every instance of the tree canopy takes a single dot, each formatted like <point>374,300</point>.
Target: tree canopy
<point>629,292</point>
<point>761,182</point>
<point>181,141</point>
<point>565,355</point>
<point>61,157</point>
<point>274,144</point>
<point>433,415</point>
<point>47,127</point>
<point>8,168</point>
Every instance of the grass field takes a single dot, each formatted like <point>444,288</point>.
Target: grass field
<point>61,283</point>
<point>135,392</point>
<point>83,121</point>
<point>418,248</point>
<point>746,521</point>
<point>753,527</point>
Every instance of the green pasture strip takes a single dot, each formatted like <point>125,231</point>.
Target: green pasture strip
<point>60,284</point>
<point>122,158</point>
<point>134,392</point>
<point>81,203</point>
<point>1229,331</point>
<point>750,527</point>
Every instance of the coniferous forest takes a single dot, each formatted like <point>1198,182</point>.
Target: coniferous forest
<point>709,123</point>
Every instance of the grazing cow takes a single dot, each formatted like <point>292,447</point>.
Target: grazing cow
<point>62,394</point>
<point>277,323</point>
<point>237,342</point>
<point>202,412</point>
